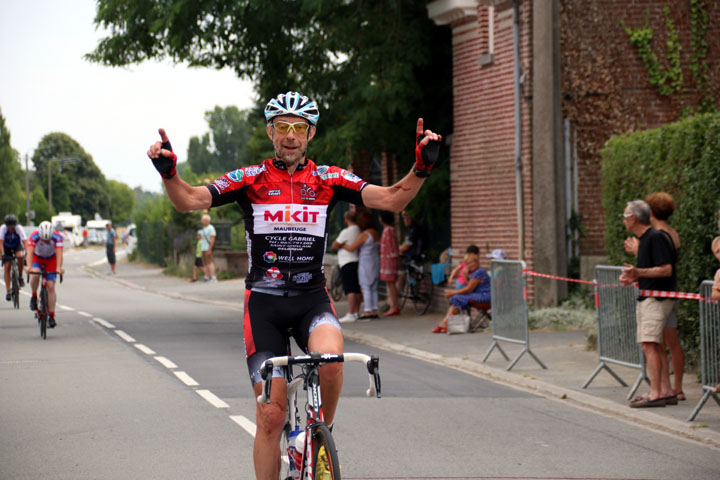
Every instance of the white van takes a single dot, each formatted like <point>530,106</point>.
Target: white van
<point>97,232</point>
<point>69,225</point>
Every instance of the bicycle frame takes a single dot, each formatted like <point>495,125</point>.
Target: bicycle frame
<point>42,312</point>
<point>310,380</point>
<point>14,279</point>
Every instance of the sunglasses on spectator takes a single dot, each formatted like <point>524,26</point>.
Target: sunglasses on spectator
<point>285,127</point>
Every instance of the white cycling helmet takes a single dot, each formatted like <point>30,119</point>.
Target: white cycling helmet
<point>45,229</point>
<point>292,103</point>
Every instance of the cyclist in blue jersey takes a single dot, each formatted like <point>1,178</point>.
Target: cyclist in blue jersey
<point>12,240</point>
<point>286,202</point>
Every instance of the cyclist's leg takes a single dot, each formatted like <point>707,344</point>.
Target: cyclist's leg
<point>264,338</point>
<point>6,267</point>
<point>323,334</point>
<point>20,255</point>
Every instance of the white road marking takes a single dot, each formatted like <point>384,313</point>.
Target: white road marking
<point>104,323</point>
<point>166,363</point>
<point>84,314</point>
<point>65,307</point>
<point>246,424</point>
<point>186,379</point>
<point>212,399</point>
<point>145,349</point>
<point>125,336</point>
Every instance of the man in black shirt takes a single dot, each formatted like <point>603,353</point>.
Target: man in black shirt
<point>655,270</point>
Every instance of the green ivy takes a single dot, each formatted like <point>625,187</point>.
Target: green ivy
<point>666,81</point>
<point>681,159</point>
<point>698,59</point>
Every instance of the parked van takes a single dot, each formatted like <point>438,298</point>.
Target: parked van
<point>97,232</point>
<point>70,226</point>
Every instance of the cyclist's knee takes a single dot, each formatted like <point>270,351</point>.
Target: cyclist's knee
<point>271,418</point>
<point>331,371</point>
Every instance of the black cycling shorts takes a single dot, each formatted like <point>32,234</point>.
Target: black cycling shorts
<point>268,317</point>
<point>349,277</point>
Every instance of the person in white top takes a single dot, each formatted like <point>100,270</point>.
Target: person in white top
<point>207,238</point>
<point>348,264</point>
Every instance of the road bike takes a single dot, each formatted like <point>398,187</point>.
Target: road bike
<point>418,285</point>
<point>14,279</point>
<point>311,452</point>
<point>41,314</point>
<point>335,287</point>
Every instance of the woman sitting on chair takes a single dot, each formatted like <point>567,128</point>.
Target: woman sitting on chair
<point>477,289</point>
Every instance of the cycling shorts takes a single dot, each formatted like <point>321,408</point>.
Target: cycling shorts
<point>268,317</point>
<point>10,251</point>
<point>50,265</point>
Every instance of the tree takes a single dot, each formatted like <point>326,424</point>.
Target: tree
<point>373,67</point>
<point>11,194</point>
<point>78,185</point>
<point>223,148</point>
<point>122,201</point>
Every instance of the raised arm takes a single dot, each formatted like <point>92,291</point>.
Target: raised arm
<point>362,238</point>
<point>396,197</point>
<point>183,196</point>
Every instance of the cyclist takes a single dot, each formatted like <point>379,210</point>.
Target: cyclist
<point>12,240</point>
<point>286,201</point>
<point>45,248</point>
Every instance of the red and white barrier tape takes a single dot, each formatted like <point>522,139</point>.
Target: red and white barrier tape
<point>644,293</point>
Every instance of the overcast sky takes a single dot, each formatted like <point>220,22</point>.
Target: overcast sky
<point>114,113</point>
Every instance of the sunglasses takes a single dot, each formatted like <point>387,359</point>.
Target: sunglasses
<point>285,127</point>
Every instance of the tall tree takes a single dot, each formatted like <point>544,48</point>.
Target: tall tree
<point>374,67</point>
<point>11,194</point>
<point>77,183</point>
<point>223,147</point>
<point>122,201</point>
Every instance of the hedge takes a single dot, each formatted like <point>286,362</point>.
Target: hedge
<point>682,159</point>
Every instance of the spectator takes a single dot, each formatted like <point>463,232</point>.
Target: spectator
<point>85,237</point>
<point>110,245</point>
<point>198,265</point>
<point>715,295</point>
<point>207,237</point>
<point>456,274</point>
<point>367,245</point>
<point>655,270</point>
<point>662,206</point>
<point>389,261</point>
<point>477,289</point>
<point>414,244</point>
<point>348,264</point>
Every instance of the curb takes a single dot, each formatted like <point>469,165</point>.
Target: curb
<point>553,392</point>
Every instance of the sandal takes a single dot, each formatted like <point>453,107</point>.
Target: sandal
<point>647,403</point>
<point>680,396</point>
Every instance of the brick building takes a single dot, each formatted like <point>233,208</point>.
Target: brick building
<point>539,86</point>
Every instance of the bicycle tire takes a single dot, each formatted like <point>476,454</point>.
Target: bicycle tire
<point>403,296</point>
<point>43,313</point>
<point>285,466</point>
<point>422,297</point>
<point>323,438</point>
<point>336,289</point>
<point>15,289</point>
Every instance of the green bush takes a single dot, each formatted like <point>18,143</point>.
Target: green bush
<point>682,159</point>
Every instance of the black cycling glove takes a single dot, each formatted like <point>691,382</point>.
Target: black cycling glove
<point>425,156</point>
<point>166,165</point>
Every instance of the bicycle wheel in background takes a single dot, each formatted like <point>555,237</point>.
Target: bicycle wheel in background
<point>285,465</point>
<point>422,294</point>
<point>405,292</point>
<point>336,289</point>
<point>325,460</point>
<point>15,287</point>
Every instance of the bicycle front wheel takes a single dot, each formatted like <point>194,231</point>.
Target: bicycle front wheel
<point>43,313</point>
<point>325,460</point>
<point>422,293</point>
<point>15,288</point>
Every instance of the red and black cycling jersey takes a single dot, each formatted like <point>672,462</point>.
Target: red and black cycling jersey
<point>286,218</point>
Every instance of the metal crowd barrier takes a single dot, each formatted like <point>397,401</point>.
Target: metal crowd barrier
<point>509,308</point>
<point>616,327</point>
<point>709,347</point>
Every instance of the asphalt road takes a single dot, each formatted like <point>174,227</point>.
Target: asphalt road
<point>138,385</point>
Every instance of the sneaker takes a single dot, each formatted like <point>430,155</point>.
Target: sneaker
<point>51,321</point>
<point>8,296</point>
<point>21,282</point>
<point>349,318</point>
<point>33,303</point>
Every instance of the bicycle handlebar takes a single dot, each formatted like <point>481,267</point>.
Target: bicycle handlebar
<point>371,362</point>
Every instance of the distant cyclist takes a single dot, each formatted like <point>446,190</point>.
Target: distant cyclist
<point>286,202</point>
<point>12,240</point>
<point>45,248</point>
